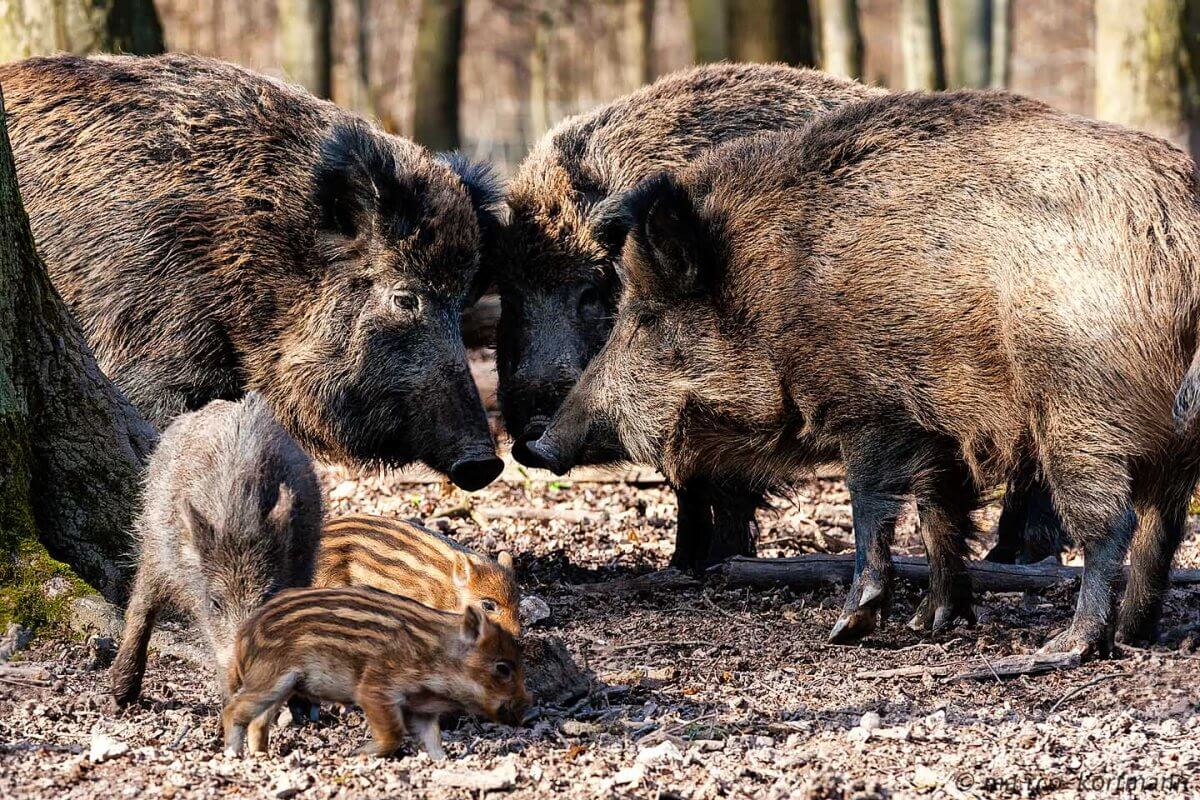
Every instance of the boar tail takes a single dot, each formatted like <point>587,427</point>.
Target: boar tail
<point>1187,398</point>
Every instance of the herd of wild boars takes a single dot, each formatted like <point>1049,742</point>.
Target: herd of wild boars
<point>734,275</point>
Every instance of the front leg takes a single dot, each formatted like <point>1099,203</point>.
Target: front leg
<point>129,667</point>
<point>694,527</point>
<point>378,703</point>
<point>428,730</point>
<point>734,529</point>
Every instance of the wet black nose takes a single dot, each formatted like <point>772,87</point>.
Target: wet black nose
<point>473,474</point>
<point>543,455</point>
<point>536,427</point>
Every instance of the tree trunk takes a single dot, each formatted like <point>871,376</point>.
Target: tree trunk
<point>710,30</point>
<point>72,448</point>
<point>435,74</point>
<point>921,45</point>
<point>771,30</point>
<point>41,27</point>
<point>1142,73</point>
<point>968,29</point>
<point>841,38</point>
<point>306,43</point>
<point>1001,43</point>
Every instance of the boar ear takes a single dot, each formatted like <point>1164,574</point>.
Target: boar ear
<point>193,522</point>
<point>505,560</point>
<point>484,188</point>
<point>472,625</point>
<point>462,569</point>
<point>281,514</point>
<point>669,233</point>
<point>610,220</point>
<point>356,177</point>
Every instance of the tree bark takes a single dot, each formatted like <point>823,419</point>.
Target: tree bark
<point>41,27</point>
<point>435,74</point>
<point>771,30</point>
<point>72,448</point>
<point>968,32</point>
<point>306,43</point>
<point>710,30</point>
<point>921,45</point>
<point>841,38</point>
<point>1001,54</point>
<point>1143,72</point>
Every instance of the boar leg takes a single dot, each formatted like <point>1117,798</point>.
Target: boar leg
<point>130,664</point>
<point>1092,496</point>
<point>258,734</point>
<point>878,483</point>
<point>1162,524</point>
<point>946,496</point>
<point>429,731</point>
<point>735,529</point>
<point>1029,530</point>
<point>378,705</point>
<point>250,703</point>
<point>693,528</point>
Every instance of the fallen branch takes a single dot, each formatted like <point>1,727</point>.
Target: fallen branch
<point>655,581</point>
<point>820,570</point>
<point>983,669</point>
<point>1086,686</point>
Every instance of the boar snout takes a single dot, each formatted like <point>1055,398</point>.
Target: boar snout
<point>475,472</point>
<point>461,443</point>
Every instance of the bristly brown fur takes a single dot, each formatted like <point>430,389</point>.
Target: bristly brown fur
<point>402,662</point>
<point>409,560</point>
<point>215,230</point>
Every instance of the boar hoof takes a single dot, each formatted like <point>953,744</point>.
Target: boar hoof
<point>853,626</point>
<point>930,617</point>
<point>1085,644</point>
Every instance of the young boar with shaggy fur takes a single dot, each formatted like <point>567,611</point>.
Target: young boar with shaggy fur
<point>556,269</point>
<point>941,291</point>
<point>215,231</point>
<point>412,561</point>
<point>231,515</point>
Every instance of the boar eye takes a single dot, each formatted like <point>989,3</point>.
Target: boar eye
<point>503,670</point>
<point>591,305</point>
<point>406,302</point>
<point>215,604</point>
<point>490,606</point>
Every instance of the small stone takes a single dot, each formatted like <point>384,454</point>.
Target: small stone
<point>870,721</point>
<point>501,778</point>
<point>533,611</point>
<point>102,649</point>
<point>343,491</point>
<point>56,587</point>
<point>629,775</point>
<point>665,750</point>
<point>925,778</point>
<point>15,638</point>
<point>104,747</point>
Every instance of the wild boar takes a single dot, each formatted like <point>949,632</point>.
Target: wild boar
<point>216,231</point>
<point>556,264</point>
<point>231,514</point>
<point>942,290</point>
<point>403,663</point>
<point>409,560</point>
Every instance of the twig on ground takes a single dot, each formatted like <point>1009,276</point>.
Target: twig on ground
<point>573,515</point>
<point>1083,687</point>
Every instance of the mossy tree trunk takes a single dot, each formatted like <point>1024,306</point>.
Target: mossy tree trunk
<point>967,25</point>
<point>306,41</point>
<point>771,30</point>
<point>1001,54</point>
<point>72,448</point>
<point>435,73</point>
<point>1145,66</point>
<point>921,45</point>
<point>40,27</point>
<point>841,38</point>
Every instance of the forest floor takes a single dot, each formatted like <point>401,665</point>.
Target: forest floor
<point>698,692</point>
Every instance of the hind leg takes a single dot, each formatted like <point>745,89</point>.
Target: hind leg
<point>735,529</point>
<point>1092,494</point>
<point>251,703</point>
<point>375,698</point>
<point>1162,524</point>
<point>946,496</point>
<point>258,733</point>
<point>1030,529</point>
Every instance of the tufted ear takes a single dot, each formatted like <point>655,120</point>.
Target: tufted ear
<point>505,560</point>
<point>462,569</point>
<point>610,220</point>
<point>472,625</point>
<point>195,524</point>
<point>358,187</point>
<point>670,237</point>
<point>279,516</point>
<point>486,191</point>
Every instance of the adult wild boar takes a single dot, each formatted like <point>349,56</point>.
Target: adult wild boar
<point>556,269</point>
<point>940,290</point>
<point>216,231</point>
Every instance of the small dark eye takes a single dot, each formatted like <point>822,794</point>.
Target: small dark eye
<point>406,302</point>
<point>647,319</point>
<point>591,304</point>
<point>490,606</point>
<point>503,670</point>
<point>215,604</point>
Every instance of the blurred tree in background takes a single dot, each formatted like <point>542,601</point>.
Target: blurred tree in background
<point>305,32</point>
<point>921,43</point>
<point>841,38</point>
<point>39,27</point>
<point>435,74</point>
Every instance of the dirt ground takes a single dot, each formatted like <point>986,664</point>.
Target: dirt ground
<point>698,692</point>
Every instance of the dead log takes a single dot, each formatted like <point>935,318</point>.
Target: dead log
<point>983,669</point>
<point>818,571</point>
<point>662,580</point>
